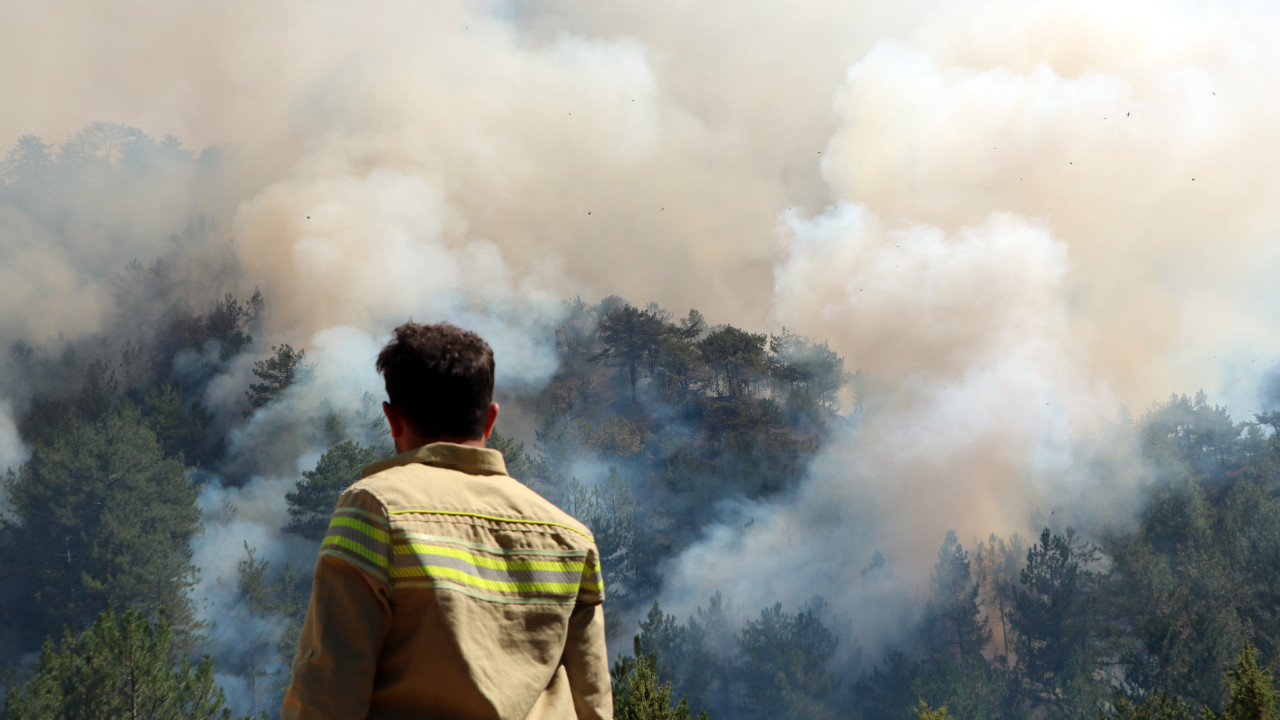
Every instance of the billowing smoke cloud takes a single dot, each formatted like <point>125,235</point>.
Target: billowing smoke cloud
<point>975,413</point>
<point>400,134</point>
<point>1012,216</point>
<point>1044,210</point>
<point>1136,136</point>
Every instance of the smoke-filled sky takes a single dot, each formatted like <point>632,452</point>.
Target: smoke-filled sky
<point>1013,216</point>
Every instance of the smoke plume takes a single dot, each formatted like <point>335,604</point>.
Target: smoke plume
<point>1014,217</point>
<point>1044,211</point>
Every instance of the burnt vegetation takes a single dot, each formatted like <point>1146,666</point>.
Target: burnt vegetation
<point>652,424</point>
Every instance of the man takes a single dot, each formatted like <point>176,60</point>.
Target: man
<point>445,588</point>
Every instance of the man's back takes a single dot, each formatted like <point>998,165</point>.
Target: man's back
<point>447,589</point>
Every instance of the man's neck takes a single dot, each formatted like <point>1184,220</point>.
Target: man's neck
<point>408,443</point>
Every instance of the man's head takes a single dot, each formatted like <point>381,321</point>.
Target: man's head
<point>439,379</point>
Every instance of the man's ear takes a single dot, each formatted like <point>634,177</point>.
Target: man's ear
<point>395,420</point>
<point>490,419</point>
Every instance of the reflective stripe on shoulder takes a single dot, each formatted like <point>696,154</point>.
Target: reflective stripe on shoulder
<point>361,538</point>
<point>490,572</point>
<point>591,585</point>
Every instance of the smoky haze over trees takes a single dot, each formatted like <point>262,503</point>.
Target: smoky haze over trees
<point>823,316</point>
<point>146,447</point>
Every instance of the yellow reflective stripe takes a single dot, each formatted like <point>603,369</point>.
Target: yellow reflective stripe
<point>522,521</point>
<point>436,571</point>
<point>370,568</point>
<point>591,587</point>
<point>355,547</point>
<point>488,562</point>
<point>381,536</point>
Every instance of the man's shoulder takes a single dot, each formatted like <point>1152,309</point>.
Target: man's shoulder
<point>418,488</point>
<point>549,509</point>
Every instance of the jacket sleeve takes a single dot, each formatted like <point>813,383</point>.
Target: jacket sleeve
<point>586,659</point>
<point>347,618</point>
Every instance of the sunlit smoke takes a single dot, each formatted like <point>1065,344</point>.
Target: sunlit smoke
<point>1013,217</point>
<point>976,412</point>
<point>1037,223</point>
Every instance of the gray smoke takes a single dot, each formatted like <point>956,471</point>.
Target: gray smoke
<point>12,450</point>
<point>1013,217</point>
<point>1028,198</point>
<point>243,639</point>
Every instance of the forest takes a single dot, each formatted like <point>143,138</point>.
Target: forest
<point>653,422</point>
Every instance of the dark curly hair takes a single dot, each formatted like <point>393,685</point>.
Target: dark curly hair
<point>440,378</point>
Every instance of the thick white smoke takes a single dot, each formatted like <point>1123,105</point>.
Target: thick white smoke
<point>1012,216</point>
<point>1045,210</point>
<point>975,414</point>
<point>1136,135</point>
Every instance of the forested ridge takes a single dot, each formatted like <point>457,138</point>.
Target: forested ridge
<point>653,424</point>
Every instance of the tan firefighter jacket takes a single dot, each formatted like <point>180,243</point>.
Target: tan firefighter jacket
<point>447,589</point>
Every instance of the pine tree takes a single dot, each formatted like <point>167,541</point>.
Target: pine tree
<point>311,502</point>
<point>610,510</point>
<point>27,162</point>
<point>182,432</point>
<point>783,661</point>
<point>122,667</point>
<point>277,373</point>
<point>736,356</point>
<point>665,639</point>
<point>639,694</point>
<point>282,595</point>
<point>953,622</point>
<point>101,517</point>
<point>1053,617</point>
<point>996,567</point>
<point>1253,694</point>
<point>631,338</point>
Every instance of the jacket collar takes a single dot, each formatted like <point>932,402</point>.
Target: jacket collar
<point>468,459</point>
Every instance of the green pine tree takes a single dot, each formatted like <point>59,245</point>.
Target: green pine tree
<point>783,659</point>
<point>183,432</point>
<point>122,667</point>
<point>100,517</point>
<point>954,624</point>
<point>1253,694</point>
<point>639,694</point>
<point>311,502</point>
<point>631,338</point>
<point>277,373</point>
<point>1055,622</point>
